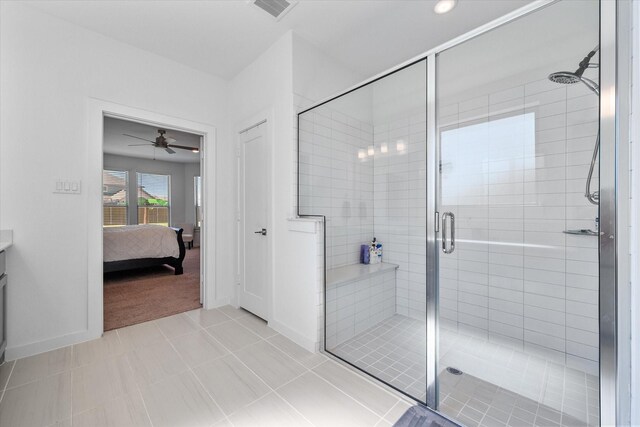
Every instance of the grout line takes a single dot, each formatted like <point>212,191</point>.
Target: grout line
<point>391,409</point>
<point>231,353</point>
<point>144,404</point>
<point>71,396</point>
<point>6,386</point>
<point>289,403</point>
<point>126,357</point>
<point>190,369</point>
<point>343,392</point>
<point>73,348</point>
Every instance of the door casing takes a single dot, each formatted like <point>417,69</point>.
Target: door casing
<point>97,110</point>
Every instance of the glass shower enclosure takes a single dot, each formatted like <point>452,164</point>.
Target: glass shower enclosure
<point>460,203</point>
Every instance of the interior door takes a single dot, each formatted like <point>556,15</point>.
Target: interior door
<point>254,233</point>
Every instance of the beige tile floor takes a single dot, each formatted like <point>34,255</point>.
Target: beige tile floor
<point>221,367</point>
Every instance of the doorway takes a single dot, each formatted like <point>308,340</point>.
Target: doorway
<point>152,210</point>
<point>98,111</point>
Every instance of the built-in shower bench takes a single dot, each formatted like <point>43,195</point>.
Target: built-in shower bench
<point>358,297</point>
<point>348,273</point>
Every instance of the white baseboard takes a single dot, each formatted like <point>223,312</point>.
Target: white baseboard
<point>18,352</point>
<point>302,341</point>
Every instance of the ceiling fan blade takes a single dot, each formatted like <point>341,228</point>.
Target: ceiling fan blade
<point>170,151</point>
<point>137,137</point>
<point>170,140</point>
<point>184,147</point>
<point>138,145</point>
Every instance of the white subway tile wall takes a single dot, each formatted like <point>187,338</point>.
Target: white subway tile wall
<point>357,306</point>
<point>399,175</point>
<point>514,167</point>
<point>336,180</point>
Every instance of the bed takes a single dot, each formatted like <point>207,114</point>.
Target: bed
<point>138,246</point>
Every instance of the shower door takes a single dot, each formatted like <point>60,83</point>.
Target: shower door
<point>362,167</point>
<point>518,267</point>
<point>477,168</point>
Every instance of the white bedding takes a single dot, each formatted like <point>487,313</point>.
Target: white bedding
<point>139,241</point>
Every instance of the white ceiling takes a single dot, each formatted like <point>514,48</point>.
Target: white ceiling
<point>222,37</point>
<point>555,38</point>
<point>116,143</point>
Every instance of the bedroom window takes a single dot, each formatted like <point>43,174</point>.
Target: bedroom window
<point>197,196</point>
<point>153,198</point>
<point>114,197</point>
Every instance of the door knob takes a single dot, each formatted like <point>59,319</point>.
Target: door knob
<point>263,232</point>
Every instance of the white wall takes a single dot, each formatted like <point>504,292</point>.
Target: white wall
<point>182,208</point>
<point>49,70</point>
<point>380,194</point>
<point>336,180</point>
<point>515,182</point>
<point>399,118</point>
<point>268,85</point>
<point>44,136</point>
<point>264,90</point>
<point>400,205</point>
<point>357,306</point>
<point>317,76</point>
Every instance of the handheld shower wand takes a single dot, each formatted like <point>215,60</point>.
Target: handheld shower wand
<point>569,78</point>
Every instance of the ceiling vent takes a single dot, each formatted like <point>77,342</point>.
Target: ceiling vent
<point>275,8</point>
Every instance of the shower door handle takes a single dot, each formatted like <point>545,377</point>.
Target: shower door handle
<point>448,217</point>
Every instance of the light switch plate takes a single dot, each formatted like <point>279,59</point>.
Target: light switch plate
<point>67,187</point>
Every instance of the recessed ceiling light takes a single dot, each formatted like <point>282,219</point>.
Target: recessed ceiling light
<point>444,6</point>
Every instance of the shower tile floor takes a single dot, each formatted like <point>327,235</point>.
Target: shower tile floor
<point>500,385</point>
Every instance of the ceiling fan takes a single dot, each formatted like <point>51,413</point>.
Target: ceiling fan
<point>166,143</point>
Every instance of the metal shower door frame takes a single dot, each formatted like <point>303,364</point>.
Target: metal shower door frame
<point>614,43</point>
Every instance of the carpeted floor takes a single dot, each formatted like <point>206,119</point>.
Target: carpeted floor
<point>141,295</point>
